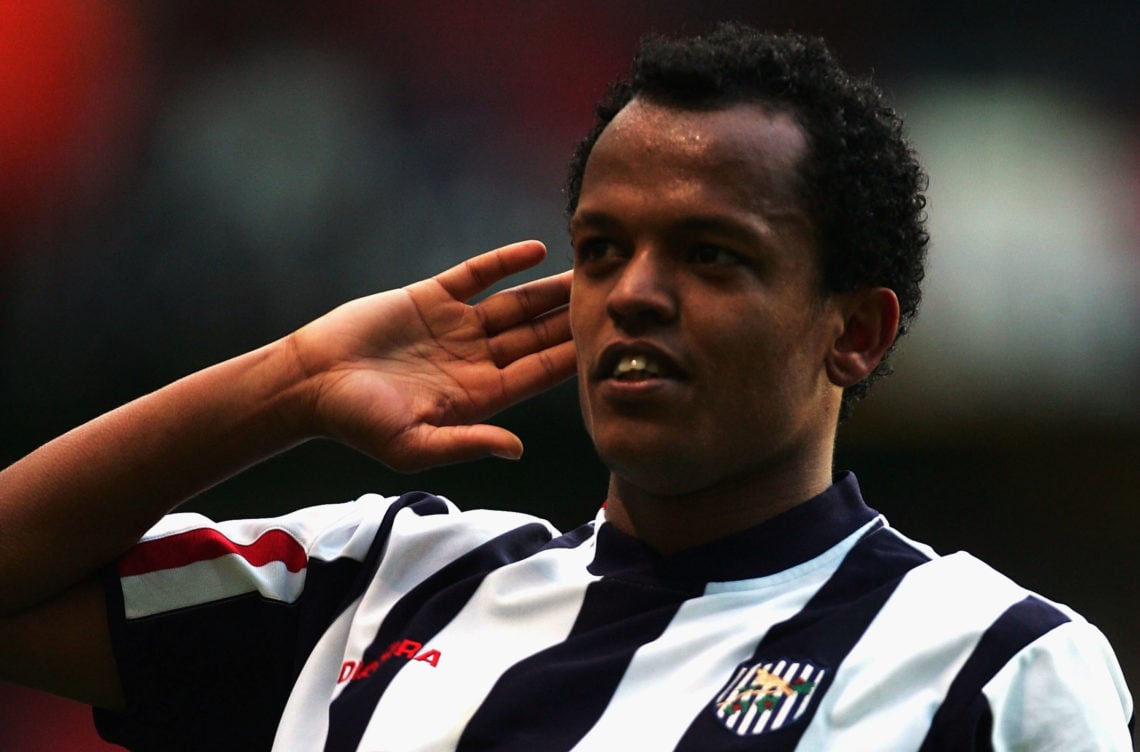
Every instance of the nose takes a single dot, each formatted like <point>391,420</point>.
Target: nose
<point>644,293</point>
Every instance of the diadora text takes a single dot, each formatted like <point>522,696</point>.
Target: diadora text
<point>409,650</point>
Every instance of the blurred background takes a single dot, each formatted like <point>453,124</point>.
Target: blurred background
<point>183,181</point>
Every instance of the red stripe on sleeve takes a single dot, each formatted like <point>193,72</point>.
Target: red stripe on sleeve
<point>203,545</point>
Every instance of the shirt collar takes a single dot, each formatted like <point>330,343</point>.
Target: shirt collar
<point>788,539</point>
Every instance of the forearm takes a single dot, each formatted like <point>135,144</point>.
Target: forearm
<point>81,500</point>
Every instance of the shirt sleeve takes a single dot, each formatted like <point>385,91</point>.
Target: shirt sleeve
<point>211,622</point>
<point>1064,691</point>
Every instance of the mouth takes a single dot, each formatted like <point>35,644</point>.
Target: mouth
<point>635,363</point>
<point>636,368</point>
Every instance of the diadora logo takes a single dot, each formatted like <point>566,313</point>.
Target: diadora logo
<point>763,697</point>
<point>409,650</point>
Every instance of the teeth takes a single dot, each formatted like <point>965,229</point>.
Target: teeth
<point>637,365</point>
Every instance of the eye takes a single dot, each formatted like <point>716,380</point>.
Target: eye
<point>595,249</point>
<point>706,253</point>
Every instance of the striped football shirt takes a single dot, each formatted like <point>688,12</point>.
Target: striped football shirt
<point>406,624</point>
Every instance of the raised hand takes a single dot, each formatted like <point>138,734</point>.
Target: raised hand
<point>408,375</point>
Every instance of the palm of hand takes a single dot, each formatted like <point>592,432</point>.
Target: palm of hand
<point>407,375</point>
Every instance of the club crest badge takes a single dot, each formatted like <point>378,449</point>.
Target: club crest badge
<point>766,696</point>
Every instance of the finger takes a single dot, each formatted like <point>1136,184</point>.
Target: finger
<point>432,446</point>
<point>531,337</point>
<point>536,373</point>
<point>524,302</point>
<point>465,280</point>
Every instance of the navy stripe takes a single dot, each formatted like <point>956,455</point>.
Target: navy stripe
<point>821,634</point>
<point>964,720</point>
<point>802,533</point>
<point>550,700</point>
<point>423,504</point>
<point>241,648</point>
<point>419,616</point>
<point>329,585</point>
<point>333,586</point>
<point>574,538</point>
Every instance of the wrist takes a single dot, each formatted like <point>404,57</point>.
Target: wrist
<point>281,393</point>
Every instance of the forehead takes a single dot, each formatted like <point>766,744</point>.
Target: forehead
<point>747,153</point>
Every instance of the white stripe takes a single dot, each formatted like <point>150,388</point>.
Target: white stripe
<point>788,702</point>
<point>1063,691</point>
<point>733,684</point>
<point>322,525</point>
<point>206,581</point>
<point>496,629</point>
<point>447,538</point>
<point>177,522</point>
<point>305,719</point>
<point>894,679</point>
<point>817,678</point>
<point>353,631</point>
<point>756,720</point>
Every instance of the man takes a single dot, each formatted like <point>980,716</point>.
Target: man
<point>747,231</point>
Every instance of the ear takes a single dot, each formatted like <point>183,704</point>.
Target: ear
<point>870,325</point>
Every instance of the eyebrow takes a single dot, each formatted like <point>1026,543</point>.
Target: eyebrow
<point>722,226</point>
<point>593,219</point>
<point>697,223</point>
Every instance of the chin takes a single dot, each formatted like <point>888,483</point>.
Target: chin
<point>655,472</point>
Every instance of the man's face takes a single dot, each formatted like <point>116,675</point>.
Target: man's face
<point>700,328</point>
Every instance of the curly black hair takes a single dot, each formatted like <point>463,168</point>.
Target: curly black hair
<point>860,181</point>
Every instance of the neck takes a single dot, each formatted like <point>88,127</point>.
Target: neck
<point>668,523</point>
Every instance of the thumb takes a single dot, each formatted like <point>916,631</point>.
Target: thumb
<point>431,446</point>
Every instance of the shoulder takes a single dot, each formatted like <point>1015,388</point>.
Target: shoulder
<point>960,600</point>
<point>1035,671</point>
<point>1062,690</point>
<point>343,529</point>
<point>188,559</point>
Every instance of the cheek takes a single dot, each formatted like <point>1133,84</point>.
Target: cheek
<point>580,332</point>
<point>586,303</point>
<point>757,370</point>
<point>582,350</point>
